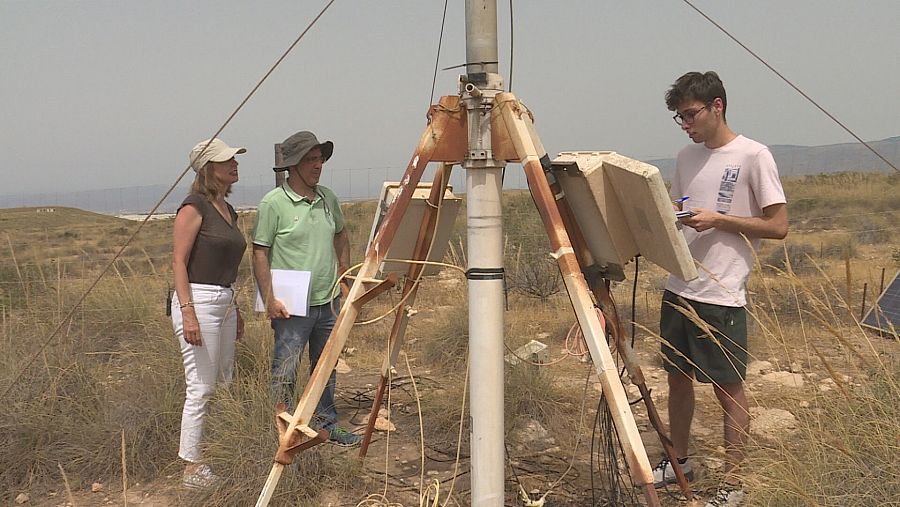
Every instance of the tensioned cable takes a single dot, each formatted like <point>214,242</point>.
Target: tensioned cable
<point>511,43</point>
<point>158,204</point>
<point>437,58</point>
<point>792,85</point>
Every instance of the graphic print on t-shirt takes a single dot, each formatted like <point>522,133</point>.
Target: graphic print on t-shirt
<point>726,188</point>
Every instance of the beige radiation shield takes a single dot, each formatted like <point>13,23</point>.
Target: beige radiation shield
<point>623,209</point>
<point>407,234</point>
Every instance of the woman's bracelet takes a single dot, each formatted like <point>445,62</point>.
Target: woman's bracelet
<point>185,305</point>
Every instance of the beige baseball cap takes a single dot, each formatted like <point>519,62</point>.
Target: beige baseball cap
<point>217,151</point>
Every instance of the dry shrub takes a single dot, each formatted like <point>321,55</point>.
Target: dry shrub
<point>845,450</point>
<point>96,378</point>
<point>532,393</point>
<point>445,342</point>
<point>797,256</point>
<point>839,247</point>
<point>535,276</point>
<point>845,454</point>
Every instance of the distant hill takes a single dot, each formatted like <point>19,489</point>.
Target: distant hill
<point>792,161</point>
<point>832,158</point>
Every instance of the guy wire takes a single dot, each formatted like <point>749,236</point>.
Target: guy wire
<point>511,44</point>
<point>792,85</point>
<point>437,58</point>
<point>140,226</point>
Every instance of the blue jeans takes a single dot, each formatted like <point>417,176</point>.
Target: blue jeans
<point>291,337</point>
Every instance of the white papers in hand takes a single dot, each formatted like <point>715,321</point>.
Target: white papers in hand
<point>292,288</point>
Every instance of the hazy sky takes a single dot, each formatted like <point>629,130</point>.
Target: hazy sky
<point>104,94</point>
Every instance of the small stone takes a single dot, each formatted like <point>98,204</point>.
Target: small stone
<point>96,487</point>
<point>382,424</point>
<point>803,404</point>
<point>342,367</point>
<point>772,423</point>
<point>22,498</point>
<point>350,351</point>
<point>795,367</point>
<point>714,464</point>
<point>432,472</point>
<point>784,378</point>
<point>759,367</point>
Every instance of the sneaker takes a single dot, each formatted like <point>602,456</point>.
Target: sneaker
<point>663,473</point>
<point>343,438</point>
<point>201,478</point>
<point>726,496</point>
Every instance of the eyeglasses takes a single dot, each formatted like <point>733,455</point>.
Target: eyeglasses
<point>688,116</point>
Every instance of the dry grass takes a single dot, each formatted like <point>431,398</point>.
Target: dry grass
<point>115,367</point>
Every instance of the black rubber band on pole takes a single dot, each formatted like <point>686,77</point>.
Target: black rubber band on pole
<point>485,274</point>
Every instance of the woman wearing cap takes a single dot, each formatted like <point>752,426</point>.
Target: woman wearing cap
<point>208,247</point>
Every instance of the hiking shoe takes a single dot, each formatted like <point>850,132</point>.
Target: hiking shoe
<point>663,473</point>
<point>727,495</point>
<point>201,478</point>
<point>343,438</point>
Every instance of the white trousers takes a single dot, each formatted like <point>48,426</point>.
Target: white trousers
<point>205,365</point>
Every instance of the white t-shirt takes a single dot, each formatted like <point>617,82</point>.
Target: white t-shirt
<point>738,179</point>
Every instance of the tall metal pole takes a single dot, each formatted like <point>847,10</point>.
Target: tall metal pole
<point>484,184</point>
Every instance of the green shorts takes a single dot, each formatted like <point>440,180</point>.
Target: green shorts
<point>715,354</point>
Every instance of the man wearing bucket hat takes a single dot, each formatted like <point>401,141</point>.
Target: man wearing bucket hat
<point>300,226</point>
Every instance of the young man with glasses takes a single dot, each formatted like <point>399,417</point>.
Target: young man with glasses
<point>300,226</point>
<point>733,190</point>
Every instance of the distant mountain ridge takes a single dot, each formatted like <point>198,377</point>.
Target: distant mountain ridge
<point>795,160</point>
<point>792,161</point>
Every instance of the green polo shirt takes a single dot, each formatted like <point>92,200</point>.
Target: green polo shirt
<point>300,235</point>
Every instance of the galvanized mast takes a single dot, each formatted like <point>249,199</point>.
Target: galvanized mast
<point>484,182</point>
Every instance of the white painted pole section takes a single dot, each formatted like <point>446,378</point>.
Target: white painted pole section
<point>484,182</point>
<point>486,307</point>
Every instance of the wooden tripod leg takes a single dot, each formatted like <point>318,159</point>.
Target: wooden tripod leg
<point>519,132</point>
<point>600,289</point>
<point>424,241</point>
<point>601,293</point>
<point>626,352</point>
<point>444,128</point>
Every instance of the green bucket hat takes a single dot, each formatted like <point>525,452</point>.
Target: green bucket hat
<point>295,147</point>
